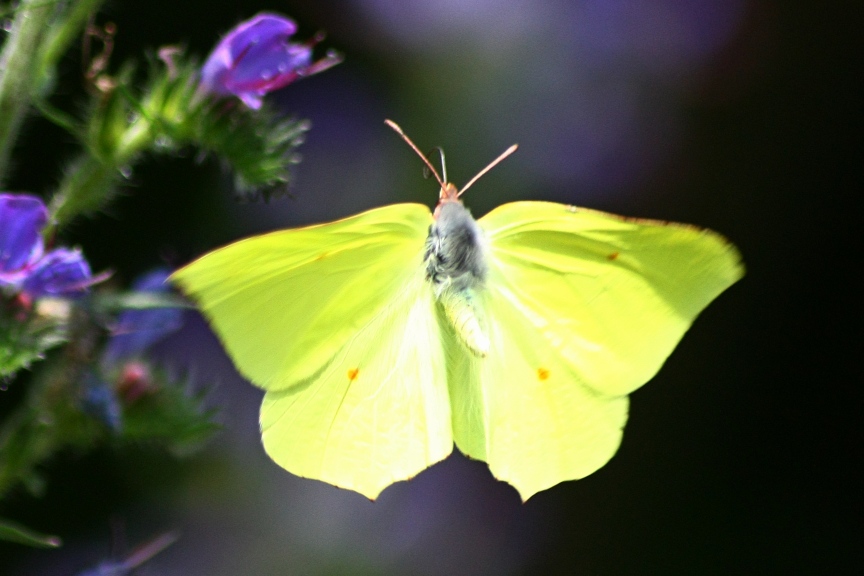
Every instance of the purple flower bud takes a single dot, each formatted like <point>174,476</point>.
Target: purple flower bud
<point>25,267</point>
<point>255,58</point>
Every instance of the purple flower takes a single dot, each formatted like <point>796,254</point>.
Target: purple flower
<point>25,267</point>
<point>99,401</point>
<point>256,58</point>
<point>21,220</point>
<point>137,330</point>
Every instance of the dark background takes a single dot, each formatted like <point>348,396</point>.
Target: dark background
<point>744,455</point>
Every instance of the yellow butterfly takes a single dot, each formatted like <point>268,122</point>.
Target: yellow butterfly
<point>383,338</point>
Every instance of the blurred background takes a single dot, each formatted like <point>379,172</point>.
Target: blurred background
<point>742,456</point>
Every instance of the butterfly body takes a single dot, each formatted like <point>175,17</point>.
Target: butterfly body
<point>455,259</point>
<point>384,338</point>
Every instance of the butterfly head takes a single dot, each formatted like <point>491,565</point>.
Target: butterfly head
<point>449,193</point>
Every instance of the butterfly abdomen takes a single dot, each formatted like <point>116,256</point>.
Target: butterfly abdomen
<point>456,266</point>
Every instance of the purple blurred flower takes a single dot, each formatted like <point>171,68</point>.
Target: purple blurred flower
<point>256,58</point>
<point>25,267</point>
<point>137,330</point>
<point>99,400</point>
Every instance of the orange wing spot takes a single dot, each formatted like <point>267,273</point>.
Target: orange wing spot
<point>353,373</point>
<point>542,374</point>
<point>613,255</point>
<point>322,256</point>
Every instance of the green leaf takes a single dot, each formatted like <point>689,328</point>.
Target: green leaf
<point>25,335</point>
<point>260,147</point>
<point>171,417</point>
<point>13,532</point>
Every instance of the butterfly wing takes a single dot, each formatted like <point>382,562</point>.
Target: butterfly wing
<point>581,308</point>
<point>338,324</point>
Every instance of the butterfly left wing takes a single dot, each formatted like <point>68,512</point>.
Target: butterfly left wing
<point>338,324</point>
<point>283,303</point>
<point>581,308</point>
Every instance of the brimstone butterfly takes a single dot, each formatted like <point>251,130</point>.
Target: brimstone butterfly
<point>384,337</point>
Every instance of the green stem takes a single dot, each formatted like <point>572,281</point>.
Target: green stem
<point>35,431</point>
<point>23,445</point>
<point>58,117</point>
<point>16,72</point>
<point>47,423</point>
<point>138,136</point>
<point>90,180</point>
<point>59,38</point>
<point>83,189</point>
<point>49,419</point>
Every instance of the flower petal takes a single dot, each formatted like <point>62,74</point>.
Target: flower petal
<point>270,67</point>
<point>22,218</point>
<point>137,330</point>
<point>61,272</point>
<point>255,35</point>
<point>99,400</point>
<point>260,30</point>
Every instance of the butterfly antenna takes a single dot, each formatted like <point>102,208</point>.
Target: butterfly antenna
<point>443,164</point>
<point>491,165</point>
<point>399,131</point>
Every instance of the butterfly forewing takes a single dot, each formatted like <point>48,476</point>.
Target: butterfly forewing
<point>611,296</point>
<point>284,303</point>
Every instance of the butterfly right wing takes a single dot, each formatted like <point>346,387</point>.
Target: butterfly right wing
<point>580,308</point>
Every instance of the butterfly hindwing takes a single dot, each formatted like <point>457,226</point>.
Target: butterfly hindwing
<point>378,411</point>
<point>524,410</point>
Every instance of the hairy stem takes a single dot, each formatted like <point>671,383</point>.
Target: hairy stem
<point>89,181</point>
<point>84,188</point>
<point>16,72</point>
<point>59,37</point>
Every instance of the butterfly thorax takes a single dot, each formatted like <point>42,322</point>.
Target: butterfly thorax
<point>455,260</point>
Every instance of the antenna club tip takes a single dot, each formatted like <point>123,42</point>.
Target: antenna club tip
<point>393,125</point>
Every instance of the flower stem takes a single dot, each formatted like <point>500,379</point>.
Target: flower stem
<point>84,188</point>
<point>89,181</point>
<point>49,418</point>
<point>60,36</point>
<point>47,422</point>
<point>16,72</point>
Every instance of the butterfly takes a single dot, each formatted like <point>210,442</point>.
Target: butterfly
<point>383,338</point>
